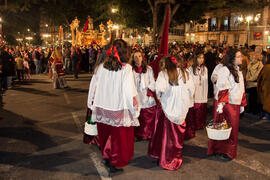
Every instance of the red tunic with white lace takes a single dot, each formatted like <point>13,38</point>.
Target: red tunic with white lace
<point>233,95</point>
<point>115,107</point>
<point>145,84</point>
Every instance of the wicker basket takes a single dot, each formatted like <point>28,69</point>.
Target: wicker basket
<point>218,134</point>
<point>90,129</point>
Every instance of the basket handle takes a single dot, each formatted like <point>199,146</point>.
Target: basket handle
<point>218,117</point>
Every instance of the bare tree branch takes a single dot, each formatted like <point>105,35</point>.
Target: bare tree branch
<point>175,8</point>
<point>151,5</point>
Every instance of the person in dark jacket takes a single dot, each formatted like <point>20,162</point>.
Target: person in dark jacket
<point>74,61</point>
<point>210,62</point>
<point>93,52</point>
<point>8,68</point>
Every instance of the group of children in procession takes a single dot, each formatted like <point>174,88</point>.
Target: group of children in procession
<point>126,102</point>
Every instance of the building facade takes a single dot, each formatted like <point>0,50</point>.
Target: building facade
<point>232,28</point>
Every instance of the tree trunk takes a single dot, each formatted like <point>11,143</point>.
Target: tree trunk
<point>163,21</point>
<point>172,13</point>
<point>154,6</point>
<point>154,39</point>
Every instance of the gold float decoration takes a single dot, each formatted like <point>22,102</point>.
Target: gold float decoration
<point>81,38</point>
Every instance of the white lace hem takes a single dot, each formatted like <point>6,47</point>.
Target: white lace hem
<point>175,119</point>
<point>114,118</point>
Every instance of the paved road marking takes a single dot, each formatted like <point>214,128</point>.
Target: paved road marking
<point>254,165</point>
<point>102,171</point>
<point>251,164</point>
<point>259,122</point>
<point>54,132</point>
<point>67,98</point>
<point>55,120</point>
<point>77,121</point>
<point>104,174</point>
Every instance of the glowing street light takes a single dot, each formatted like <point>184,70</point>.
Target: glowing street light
<point>114,10</point>
<point>240,18</point>
<point>115,26</point>
<point>29,38</point>
<point>46,35</point>
<point>28,30</point>
<point>248,18</point>
<point>46,25</point>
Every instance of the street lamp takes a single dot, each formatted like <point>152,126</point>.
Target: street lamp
<point>114,10</point>
<point>46,35</point>
<point>19,40</point>
<point>46,25</point>
<point>248,19</point>
<point>29,38</point>
<point>28,30</point>
<point>115,26</point>
<point>240,18</point>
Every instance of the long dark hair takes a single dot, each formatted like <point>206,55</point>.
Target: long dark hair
<point>195,62</point>
<point>167,65</point>
<point>111,62</point>
<point>102,54</point>
<point>229,63</point>
<point>144,64</point>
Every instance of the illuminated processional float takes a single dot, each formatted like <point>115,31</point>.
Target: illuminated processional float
<point>89,35</point>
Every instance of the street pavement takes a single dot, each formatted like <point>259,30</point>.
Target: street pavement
<point>41,138</point>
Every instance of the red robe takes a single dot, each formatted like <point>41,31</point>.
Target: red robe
<point>146,118</point>
<point>231,113</point>
<point>59,66</point>
<point>116,143</point>
<point>190,126</point>
<point>167,142</point>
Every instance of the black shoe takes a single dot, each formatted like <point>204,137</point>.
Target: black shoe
<point>114,170</point>
<point>106,162</point>
<point>139,139</point>
<point>225,157</point>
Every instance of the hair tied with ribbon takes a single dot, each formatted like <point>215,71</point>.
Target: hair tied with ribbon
<point>109,52</point>
<point>173,59</point>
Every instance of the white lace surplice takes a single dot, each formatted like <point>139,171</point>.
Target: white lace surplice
<point>111,97</point>
<point>143,82</point>
<point>226,81</point>
<point>201,84</point>
<point>175,100</point>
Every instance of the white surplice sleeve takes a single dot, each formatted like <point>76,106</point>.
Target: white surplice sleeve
<point>223,81</point>
<point>131,99</point>
<point>191,88</point>
<point>92,89</point>
<point>214,75</point>
<point>161,84</point>
<point>151,78</point>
